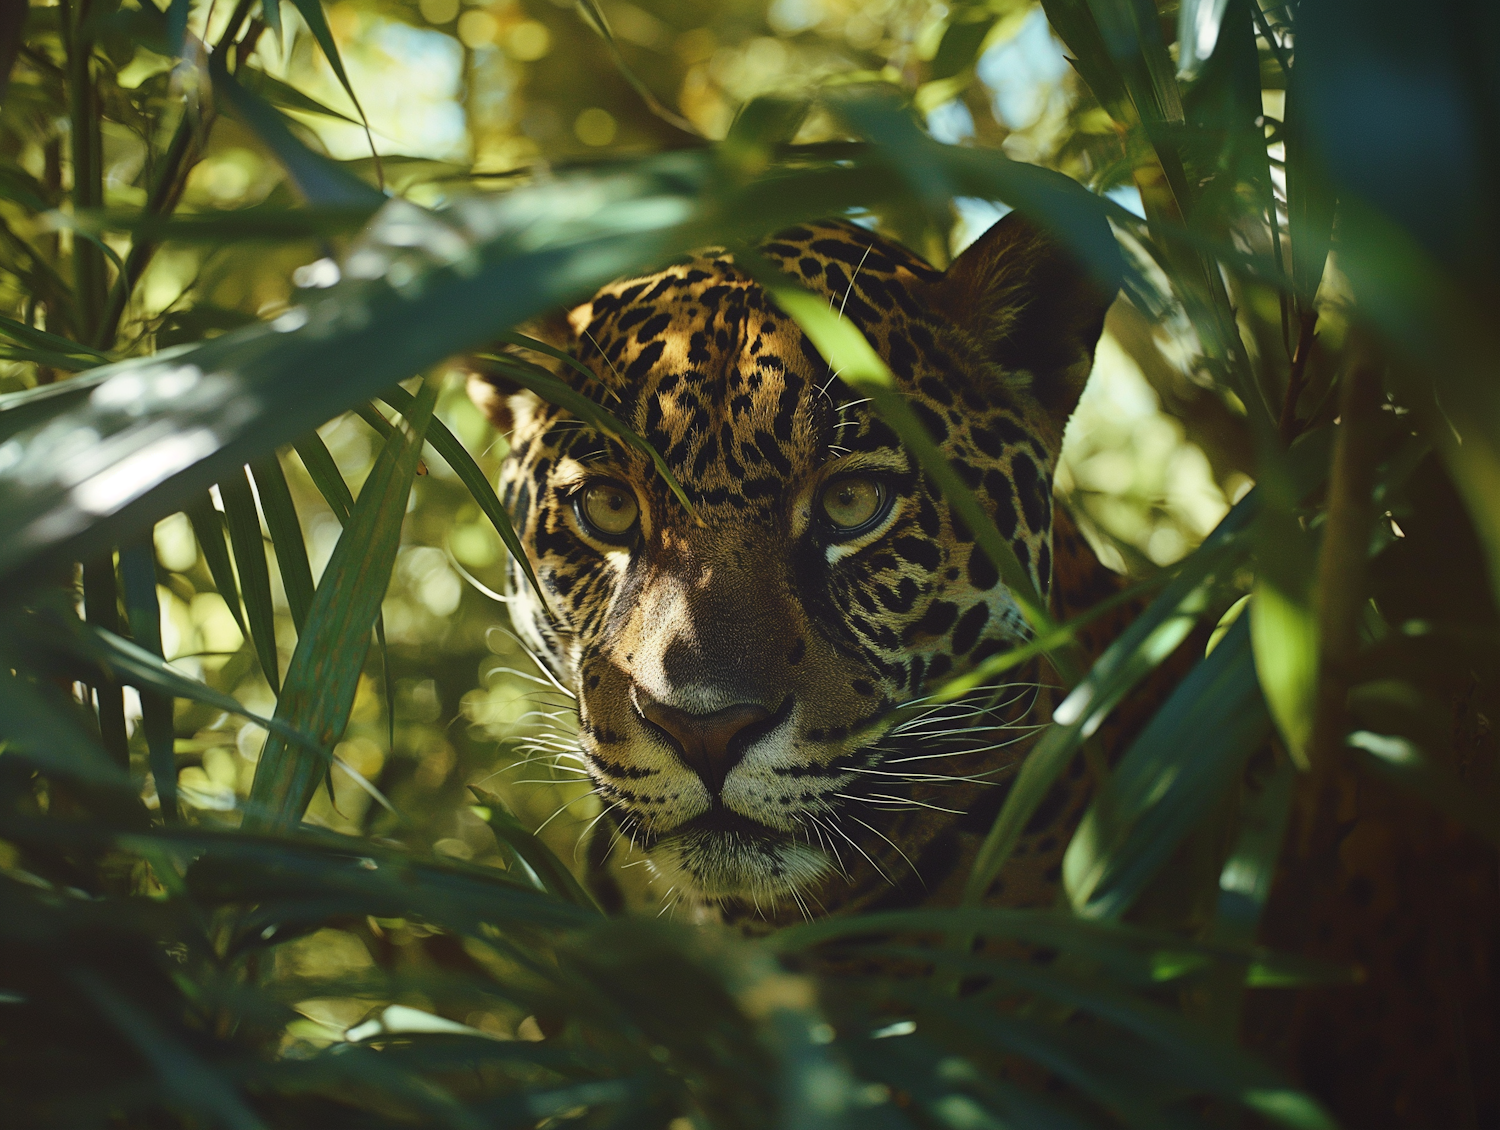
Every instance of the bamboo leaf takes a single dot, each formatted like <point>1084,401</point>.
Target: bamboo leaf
<point>446,444</point>
<point>1186,757</point>
<point>325,668</point>
<point>550,873</point>
<point>324,472</point>
<point>138,571</point>
<point>321,180</point>
<point>283,94</point>
<point>208,527</point>
<point>317,23</point>
<point>549,388</point>
<point>39,726</point>
<point>243,519</point>
<point>286,535</point>
<point>1151,637</point>
<point>102,608</point>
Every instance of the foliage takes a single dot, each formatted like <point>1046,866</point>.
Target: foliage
<point>201,930</point>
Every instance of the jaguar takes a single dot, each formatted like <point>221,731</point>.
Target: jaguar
<point>739,661</point>
<point>753,662</point>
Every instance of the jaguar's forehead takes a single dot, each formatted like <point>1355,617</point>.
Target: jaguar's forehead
<point>701,363</point>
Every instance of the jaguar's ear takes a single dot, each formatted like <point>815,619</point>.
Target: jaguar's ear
<point>498,398</point>
<point>1032,308</point>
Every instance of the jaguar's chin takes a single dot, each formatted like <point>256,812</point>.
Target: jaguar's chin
<point>722,856</point>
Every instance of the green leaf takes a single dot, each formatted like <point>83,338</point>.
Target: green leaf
<point>325,668</point>
<point>321,180</point>
<point>1285,633</point>
<point>960,43</point>
<point>208,527</point>
<point>324,472</point>
<point>283,94</point>
<point>138,572</point>
<point>50,349</point>
<point>549,872</point>
<point>286,535</point>
<point>222,225</point>
<point>102,608</point>
<point>1197,34</point>
<point>243,519</point>
<point>191,1082</point>
<point>39,724</point>
<point>142,667</point>
<point>1151,637</point>
<point>1131,954</point>
<point>317,23</point>
<point>446,444</point>
<point>1181,763</point>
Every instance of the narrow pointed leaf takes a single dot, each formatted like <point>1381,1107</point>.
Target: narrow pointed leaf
<point>243,520</point>
<point>446,444</point>
<point>208,527</point>
<point>538,857</point>
<point>101,606</point>
<point>325,474</point>
<point>326,665</point>
<point>1180,765</point>
<point>1151,637</point>
<point>286,535</point>
<point>138,572</point>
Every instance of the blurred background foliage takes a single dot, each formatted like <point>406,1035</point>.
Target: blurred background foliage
<point>148,201</point>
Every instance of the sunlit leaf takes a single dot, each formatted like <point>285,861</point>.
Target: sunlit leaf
<point>325,668</point>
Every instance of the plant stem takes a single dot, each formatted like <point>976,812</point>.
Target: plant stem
<point>183,153</point>
<point>1296,382</point>
<point>88,178</point>
<point>1343,562</point>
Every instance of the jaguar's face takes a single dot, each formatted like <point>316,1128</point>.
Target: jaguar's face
<point>735,665</point>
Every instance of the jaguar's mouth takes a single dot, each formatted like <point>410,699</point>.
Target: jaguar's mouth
<point>722,854</point>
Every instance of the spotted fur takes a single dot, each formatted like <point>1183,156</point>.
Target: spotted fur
<point>749,601</point>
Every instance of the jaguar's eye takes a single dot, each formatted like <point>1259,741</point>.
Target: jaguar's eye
<point>608,510</point>
<point>853,503</point>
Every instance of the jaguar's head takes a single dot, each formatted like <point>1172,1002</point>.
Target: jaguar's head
<point>733,665</point>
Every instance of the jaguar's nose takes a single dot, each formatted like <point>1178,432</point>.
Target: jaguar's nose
<point>709,744</point>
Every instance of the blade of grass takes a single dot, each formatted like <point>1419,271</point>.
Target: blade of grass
<point>446,444</point>
<point>1187,756</point>
<point>208,527</point>
<point>138,572</point>
<point>286,535</point>
<point>102,608</point>
<point>1153,636</point>
<point>243,519</point>
<point>325,668</point>
<point>550,872</point>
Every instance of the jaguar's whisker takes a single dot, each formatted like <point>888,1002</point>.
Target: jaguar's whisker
<point>893,844</point>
